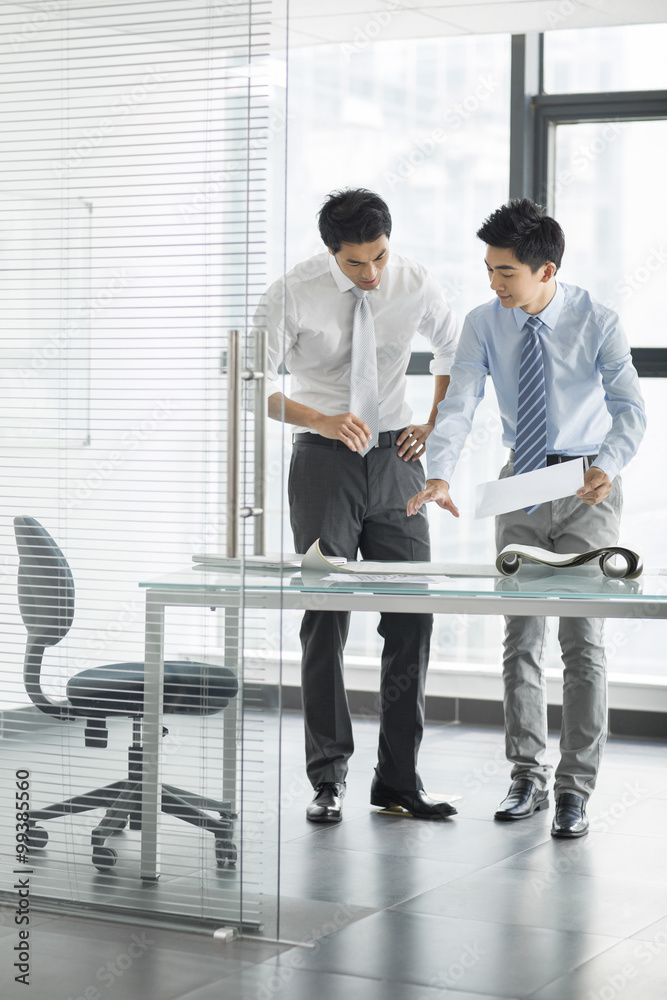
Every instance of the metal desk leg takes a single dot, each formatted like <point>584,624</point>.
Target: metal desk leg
<point>151,797</point>
<point>230,723</point>
<point>231,714</point>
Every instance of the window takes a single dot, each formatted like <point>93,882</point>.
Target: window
<point>598,158</point>
<point>606,195</point>
<point>418,122</point>
<point>630,57</point>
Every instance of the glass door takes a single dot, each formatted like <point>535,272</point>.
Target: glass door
<point>134,209</point>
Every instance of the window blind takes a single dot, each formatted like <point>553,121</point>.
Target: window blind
<point>132,240</point>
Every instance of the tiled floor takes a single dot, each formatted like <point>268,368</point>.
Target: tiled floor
<point>396,909</point>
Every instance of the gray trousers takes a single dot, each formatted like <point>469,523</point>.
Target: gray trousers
<point>566,525</point>
<point>357,504</point>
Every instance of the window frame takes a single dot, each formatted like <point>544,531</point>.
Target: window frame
<point>533,121</point>
<point>550,110</point>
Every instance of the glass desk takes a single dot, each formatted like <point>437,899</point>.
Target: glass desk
<point>535,590</point>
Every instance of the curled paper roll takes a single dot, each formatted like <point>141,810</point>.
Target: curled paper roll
<point>510,558</point>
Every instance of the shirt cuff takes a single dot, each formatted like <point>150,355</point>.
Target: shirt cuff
<point>609,467</point>
<point>439,472</point>
<point>440,366</point>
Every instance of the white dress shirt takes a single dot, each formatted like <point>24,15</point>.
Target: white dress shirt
<point>594,403</point>
<point>309,312</point>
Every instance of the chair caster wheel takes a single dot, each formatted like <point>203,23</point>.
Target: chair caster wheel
<point>104,858</point>
<point>225,853</point>
<point>37,837</point>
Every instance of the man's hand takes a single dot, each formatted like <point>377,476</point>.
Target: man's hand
<point>413,440</point>
<point>437,490</point>
<point>596,488</point>
<point>345,427</point>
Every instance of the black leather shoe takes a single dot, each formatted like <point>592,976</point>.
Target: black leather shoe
<point>570,819</point>
<point>417,803</point>
<point>523,799</point>
<point>327,804</point>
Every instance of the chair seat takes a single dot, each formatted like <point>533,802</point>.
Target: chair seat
<point>118,689</point>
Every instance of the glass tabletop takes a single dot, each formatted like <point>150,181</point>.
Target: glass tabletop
<point>530,581</point>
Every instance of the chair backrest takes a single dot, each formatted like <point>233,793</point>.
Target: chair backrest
<point>46,601</point>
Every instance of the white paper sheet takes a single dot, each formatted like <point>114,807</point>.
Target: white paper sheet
<point>383,578</point>
<point>317,566</point>
<point>504,495</point>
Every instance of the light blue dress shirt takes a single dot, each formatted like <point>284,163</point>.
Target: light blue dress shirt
<point>594,403</point>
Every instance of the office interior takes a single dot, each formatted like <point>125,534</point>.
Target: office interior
<point>164,161</point>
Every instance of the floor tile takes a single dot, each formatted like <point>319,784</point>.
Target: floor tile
<point>289,982</point>
<point>630,970</point>
<point>569,902</point>
<point>638,817</point>
<point>609,855</point>
<point>8,916</point>
<point>117,966</point>
<point>469,955</point>
<point>293,820</point>
<point>364,879</point>
<point>655,930</point>
<point>242,950</point>
<point>481,796</point>
<point>458,839</point>
<point>474,901</point>
<point>299,920</point>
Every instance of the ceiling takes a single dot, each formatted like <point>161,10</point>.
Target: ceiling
<point>353,24</point>
<point>357,23</point>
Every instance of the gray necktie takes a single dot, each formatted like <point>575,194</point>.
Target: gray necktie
<point>364,369</point>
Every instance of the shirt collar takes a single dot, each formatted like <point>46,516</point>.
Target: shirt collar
<point>343,283</point>
<point>549,314</point>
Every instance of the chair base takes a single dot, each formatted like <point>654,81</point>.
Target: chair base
<point>122,801</point>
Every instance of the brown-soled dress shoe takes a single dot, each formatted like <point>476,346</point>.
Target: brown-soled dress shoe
<point>523,799</point>
<point>570,819</point>
<point>327,804</point>
<point>417,803</point>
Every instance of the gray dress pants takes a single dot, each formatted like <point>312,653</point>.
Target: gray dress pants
<point>357,504</point>
<point>566,525</point>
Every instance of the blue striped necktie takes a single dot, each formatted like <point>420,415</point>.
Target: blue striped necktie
<point>530,450</point>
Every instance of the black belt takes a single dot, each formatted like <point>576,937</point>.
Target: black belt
<point>557,459</point>
<point>386,439</point>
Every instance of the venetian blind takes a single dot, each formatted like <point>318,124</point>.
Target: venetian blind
<point>132,231</point>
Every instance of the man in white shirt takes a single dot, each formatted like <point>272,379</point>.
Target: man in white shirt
<point>351,474</point>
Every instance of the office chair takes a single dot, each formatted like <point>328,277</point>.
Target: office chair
<point>46,601</point>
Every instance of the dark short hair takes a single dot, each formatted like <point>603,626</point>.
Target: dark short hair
<point>353,215</point>
<point>522,226</point>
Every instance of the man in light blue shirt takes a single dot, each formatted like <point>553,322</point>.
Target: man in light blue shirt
<point>594,410</point>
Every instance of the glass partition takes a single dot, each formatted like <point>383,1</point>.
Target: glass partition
<point>134,216</point>
<point>425,123</point>
<point>605,175</point>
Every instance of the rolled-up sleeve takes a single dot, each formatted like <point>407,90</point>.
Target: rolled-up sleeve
<point>440,327</point>
<point>276,314</point>
<point>623,399</point>
<point>456,411</point>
